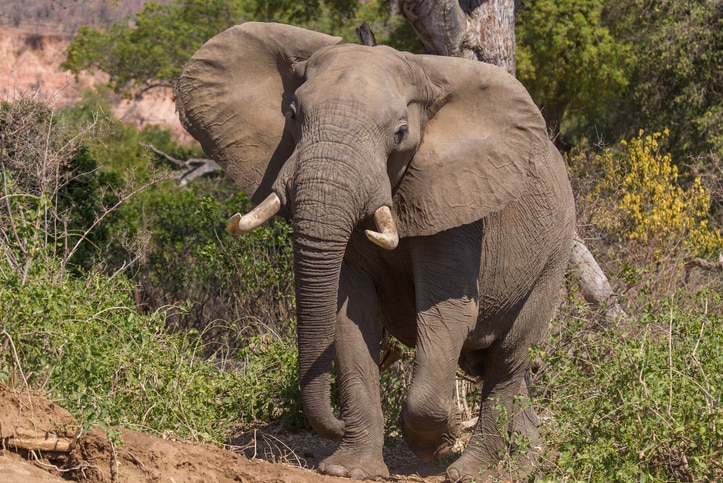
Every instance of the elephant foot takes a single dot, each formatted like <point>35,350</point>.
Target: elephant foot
<point>428,442</point>
<point>475,464</point>
<point>429,446</point>
<point>355,464</point>
<point>455,475</point>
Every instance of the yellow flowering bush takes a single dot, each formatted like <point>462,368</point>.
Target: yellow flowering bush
<point>633,194</point>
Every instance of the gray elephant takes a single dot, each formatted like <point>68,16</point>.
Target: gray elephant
<point>426,199</point>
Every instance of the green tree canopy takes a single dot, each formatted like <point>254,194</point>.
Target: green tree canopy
<point>151,50</point>
<point>676,76</point>
<point>570,62</point>
<point>607,69</point>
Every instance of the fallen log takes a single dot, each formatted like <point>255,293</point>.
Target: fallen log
<point>35,440</point>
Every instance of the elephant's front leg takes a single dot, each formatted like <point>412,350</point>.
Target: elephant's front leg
<point>358,336</point>
<point>446,271</point>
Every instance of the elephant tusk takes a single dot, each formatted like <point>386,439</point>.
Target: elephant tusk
<point>238,225</point>
<point>387,237</point>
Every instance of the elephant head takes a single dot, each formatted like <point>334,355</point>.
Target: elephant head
<point>335,135</point>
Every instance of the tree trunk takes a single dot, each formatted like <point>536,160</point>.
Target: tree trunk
<point>472,29</point>
<point>484,30</point>
<point>594,285</point>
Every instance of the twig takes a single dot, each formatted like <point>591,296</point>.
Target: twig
<point>670,362</point>
<point>16,359</point>
<point>84,236</point>
<point>153,86</point>
<point>113,462</point>
<point>178,162</point>
<point>10,214</point>
<point>366,36</point>
<point>285,452</point>
<point>466,377</point>
<point>137,461</point>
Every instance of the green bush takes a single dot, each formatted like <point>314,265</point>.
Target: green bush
<point>78,335</point>
<point>640,401</point>
<point>54,195</point>
<point>235,287</point>
<point>83,342</point>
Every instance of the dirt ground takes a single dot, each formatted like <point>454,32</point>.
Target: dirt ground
<point>42,442</point>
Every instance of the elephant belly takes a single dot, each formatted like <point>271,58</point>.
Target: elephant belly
<point>398,309</point>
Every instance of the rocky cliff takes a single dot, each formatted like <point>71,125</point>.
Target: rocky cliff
<point>30,67</point>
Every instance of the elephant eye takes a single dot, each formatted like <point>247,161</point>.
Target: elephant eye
<point>400,134</point>
<point>291,111</point>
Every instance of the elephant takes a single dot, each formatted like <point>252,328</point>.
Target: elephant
<point>427,201</point>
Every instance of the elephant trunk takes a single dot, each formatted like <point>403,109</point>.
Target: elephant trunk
<point>324,214</point>
<point>317,279</point>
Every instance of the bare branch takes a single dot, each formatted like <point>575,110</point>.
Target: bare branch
<point>366,36</point>
<point>177,162</point>
<point>144,90</point>
<point>122,198</point>
<point>209,166</point>
<point>704,265</point>
<point>594,284</point>
<point>194,167</point>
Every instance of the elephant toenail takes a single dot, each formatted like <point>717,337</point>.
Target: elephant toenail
<point>357,474</point>
<point>334,470</point>
<point>453,475</point>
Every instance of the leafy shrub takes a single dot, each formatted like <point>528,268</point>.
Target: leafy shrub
<point>77,335</point>
<point>82,341</point>
<point>636,402</point>
<point>635,198</point>
<point>235,287</point>
<point>120,148</point>
<point>54,195</point>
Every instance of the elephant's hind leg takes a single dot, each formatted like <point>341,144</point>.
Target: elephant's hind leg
<point>506,431</point>
<point>358,336</point>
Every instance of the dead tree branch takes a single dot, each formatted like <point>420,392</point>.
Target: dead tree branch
<point>703,265</point>
<point>593,283</point>
<point>194,167</point>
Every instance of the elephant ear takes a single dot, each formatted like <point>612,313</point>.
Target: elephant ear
<point>232,94</point>
<point>484,141</point>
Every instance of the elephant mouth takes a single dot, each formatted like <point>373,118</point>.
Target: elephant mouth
<point>386,236</point>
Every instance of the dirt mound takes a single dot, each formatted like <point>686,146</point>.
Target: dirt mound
<point>42,442</point>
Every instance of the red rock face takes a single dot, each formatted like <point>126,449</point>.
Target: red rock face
<point>30,67</point>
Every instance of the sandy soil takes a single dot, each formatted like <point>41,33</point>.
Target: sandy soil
<point>42,442</point>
